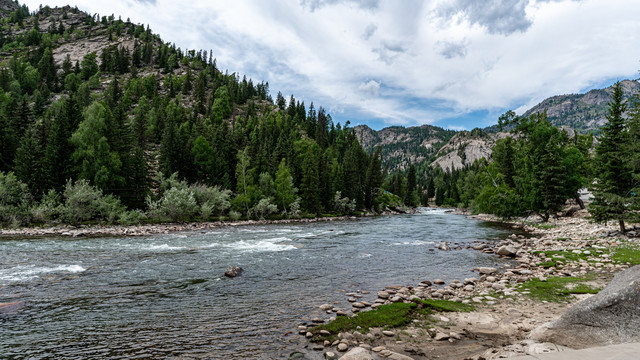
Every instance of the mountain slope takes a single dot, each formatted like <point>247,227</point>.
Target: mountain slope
<point>584,112</point>
<point>464,148</point>
<point>402,146</point>
<point>99,102</point>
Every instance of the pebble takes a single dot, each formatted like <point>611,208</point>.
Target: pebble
<point>388,333</point>
<point>440,336</point>
<point>330,355</point>
<point>343,347</point>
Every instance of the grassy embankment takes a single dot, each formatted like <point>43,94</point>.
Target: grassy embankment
<point>387,317</point>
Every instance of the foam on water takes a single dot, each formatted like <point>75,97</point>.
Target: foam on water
<point>274,244</point>
<point>21,273</point>
<point>165,247</point>
<point>413,243</point>
<point>430,211</point>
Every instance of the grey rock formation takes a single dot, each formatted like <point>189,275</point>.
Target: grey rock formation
<point>610,317</point>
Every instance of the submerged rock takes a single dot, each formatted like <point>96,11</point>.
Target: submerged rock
<point>607,318</point>
<point>233,271</point>
<point>11,307</point>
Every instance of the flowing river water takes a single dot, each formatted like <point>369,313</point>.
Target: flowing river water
<point>165,296</point>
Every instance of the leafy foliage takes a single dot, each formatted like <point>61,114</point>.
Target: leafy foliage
<point>123,114</point>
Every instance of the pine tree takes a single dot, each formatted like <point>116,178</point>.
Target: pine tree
<point>412,192</point>
<point>373,180</point>
<point>309,187</point>
<point>612,189</point>
<point>57,161</point>
<point>28,162</point>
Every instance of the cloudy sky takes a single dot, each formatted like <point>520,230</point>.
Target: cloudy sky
<point>458,64</point>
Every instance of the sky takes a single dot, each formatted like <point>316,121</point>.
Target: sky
<point>456,64</point>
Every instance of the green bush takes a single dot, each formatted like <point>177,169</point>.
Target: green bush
<point>83,202</point>
<point>132,217</point>
<point>263,208</point>
<point>211,200</point>
<point>48,209</point>
<point>15,201</point>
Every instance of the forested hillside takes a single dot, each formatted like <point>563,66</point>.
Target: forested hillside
<point>100,120</point>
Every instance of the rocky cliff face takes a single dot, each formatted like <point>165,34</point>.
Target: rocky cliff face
<point>584,112</point>
<point>402,146</point>
<point>466,147</point>
<point>6,7</point>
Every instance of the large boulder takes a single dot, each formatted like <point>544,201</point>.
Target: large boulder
<point>610,317</point>
<point>507,251</point>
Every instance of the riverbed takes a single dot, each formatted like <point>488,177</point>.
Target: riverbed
<point>165,296</point>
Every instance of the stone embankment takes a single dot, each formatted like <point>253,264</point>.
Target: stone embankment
<point>505,313</point>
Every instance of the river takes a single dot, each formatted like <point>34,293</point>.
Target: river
<point>165,296</point>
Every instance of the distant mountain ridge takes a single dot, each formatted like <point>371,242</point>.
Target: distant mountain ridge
<point>583,112</point>
<point>456,149</point>
<point>402,146</point>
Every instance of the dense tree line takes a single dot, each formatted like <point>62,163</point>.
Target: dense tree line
<point>154,132</point>
<point>538,167</point>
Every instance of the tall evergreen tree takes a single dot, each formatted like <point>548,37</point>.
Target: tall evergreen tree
<point>373,179</point>
<point>613,183</point>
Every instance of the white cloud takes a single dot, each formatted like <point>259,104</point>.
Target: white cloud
<point>437,59</point>
<point>370,88</point>
<point>369,31</point>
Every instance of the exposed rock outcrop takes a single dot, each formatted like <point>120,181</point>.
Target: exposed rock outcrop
<point>610,317</point>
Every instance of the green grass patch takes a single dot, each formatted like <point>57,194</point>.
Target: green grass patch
<point>387,317</point>
<point>557,289</point>
<point>627,253</point>
<point>447,306</point>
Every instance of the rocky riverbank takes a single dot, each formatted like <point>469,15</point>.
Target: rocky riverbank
<point>148,229</point>
<point>506,310</point>
<point>166,228</point>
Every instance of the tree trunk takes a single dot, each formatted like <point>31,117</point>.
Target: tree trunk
<point>622,228</point>
<point>580,202</point>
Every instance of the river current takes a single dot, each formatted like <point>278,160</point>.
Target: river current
<point>165,296</point>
